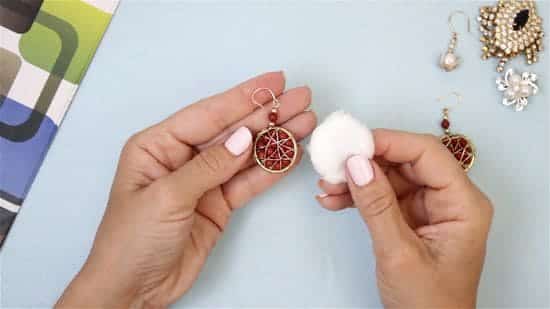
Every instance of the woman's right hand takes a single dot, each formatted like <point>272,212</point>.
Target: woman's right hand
<point>428,222</point>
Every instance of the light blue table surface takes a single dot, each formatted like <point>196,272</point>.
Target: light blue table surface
<point>376,60</point>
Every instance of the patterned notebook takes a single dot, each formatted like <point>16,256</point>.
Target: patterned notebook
<point>45,49</point>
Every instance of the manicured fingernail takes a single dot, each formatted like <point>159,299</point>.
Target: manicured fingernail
<point>239,141</point>
<point>360,170</point>
<point>322,195</point>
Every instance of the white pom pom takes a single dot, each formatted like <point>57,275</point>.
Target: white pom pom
<point>339,137</point>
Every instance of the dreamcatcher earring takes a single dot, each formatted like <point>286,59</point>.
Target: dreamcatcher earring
<point>449,61</point>
<point>459,145</point>
<point>275,148</point>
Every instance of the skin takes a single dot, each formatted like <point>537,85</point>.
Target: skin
<point>174,191</point>
<point>429,223</point>
<point>176,187</point>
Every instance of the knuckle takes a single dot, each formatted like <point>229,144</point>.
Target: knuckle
<point>210,161</point>
<point>404,259</point>
<point>134,139</point>
<point>130,146</point>
<point>130,142</point>
<point>165,195</point>
<point>488,206</point>
<point>376,200</point>
<point>170,198</point>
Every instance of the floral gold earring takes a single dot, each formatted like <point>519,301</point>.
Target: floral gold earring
<point>275,148</point>
<point>449,61</point>
<point>459,145</point>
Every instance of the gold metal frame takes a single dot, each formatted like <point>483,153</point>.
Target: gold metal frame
<point>474,150</point>
<point>292,161</point>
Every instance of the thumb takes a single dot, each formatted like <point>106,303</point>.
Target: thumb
<point>208,169</point>
<point>377,203</point>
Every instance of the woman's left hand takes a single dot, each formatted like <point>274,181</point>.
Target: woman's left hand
<point>176,186</point>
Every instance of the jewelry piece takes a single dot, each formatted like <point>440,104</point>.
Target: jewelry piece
<point>275,148</point>
<point>459,145</point>
<point>449,61</point>
<point>510,28</point>
<point>517,88</point>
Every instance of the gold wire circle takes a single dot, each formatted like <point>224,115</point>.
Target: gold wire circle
<point>294,144</point>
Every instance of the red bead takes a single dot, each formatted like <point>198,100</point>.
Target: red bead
<point>261,142</point>
<point>445,124</point>
<point>261,154</point>
<point>273,117</point>
<point>275,149</point>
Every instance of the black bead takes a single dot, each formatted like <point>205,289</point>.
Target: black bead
<point>521,19</point>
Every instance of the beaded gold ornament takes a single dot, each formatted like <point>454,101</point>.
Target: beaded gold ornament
<point>510,28</point>
<point>459,145</point>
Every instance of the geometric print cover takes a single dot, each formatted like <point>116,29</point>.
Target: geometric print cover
<point>45,49</point>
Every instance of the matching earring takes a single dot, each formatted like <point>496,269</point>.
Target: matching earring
<point>449,61</point>
<point>459,145</point>
<point>275,148</point>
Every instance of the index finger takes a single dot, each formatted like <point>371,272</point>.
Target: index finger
<point>432,164</point>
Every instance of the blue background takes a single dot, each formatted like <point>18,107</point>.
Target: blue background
<point>376,60</point>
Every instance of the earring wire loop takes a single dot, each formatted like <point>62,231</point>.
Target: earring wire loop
<point>276,102</point>
<point>456,94</point>
<point>450,21</point>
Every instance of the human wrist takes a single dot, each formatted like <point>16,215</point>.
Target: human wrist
<point>97,287</point>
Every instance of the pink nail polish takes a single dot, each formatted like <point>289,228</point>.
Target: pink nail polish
<point>360,170</point>
<point>239,141</point>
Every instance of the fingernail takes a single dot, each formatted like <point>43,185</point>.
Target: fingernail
<point>308,108</point>
<point>239,141</point>
<point>322,195</point>
<point>360,170</point>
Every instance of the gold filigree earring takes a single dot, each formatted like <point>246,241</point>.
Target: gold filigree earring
<point>459,145</point>
<point>510,28</point>
<point>449,61</point>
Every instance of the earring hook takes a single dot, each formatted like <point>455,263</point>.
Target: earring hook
<point>276,102</point>
<point>450,21</point>
<point>456,94</point>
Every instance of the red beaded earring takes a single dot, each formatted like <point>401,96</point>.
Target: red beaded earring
<point>459,145</point>
<point>275,148</point>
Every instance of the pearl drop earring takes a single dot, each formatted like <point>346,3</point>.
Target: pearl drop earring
<point>449,61</point>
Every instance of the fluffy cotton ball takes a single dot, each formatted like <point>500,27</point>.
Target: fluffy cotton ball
<point>339,137</point>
